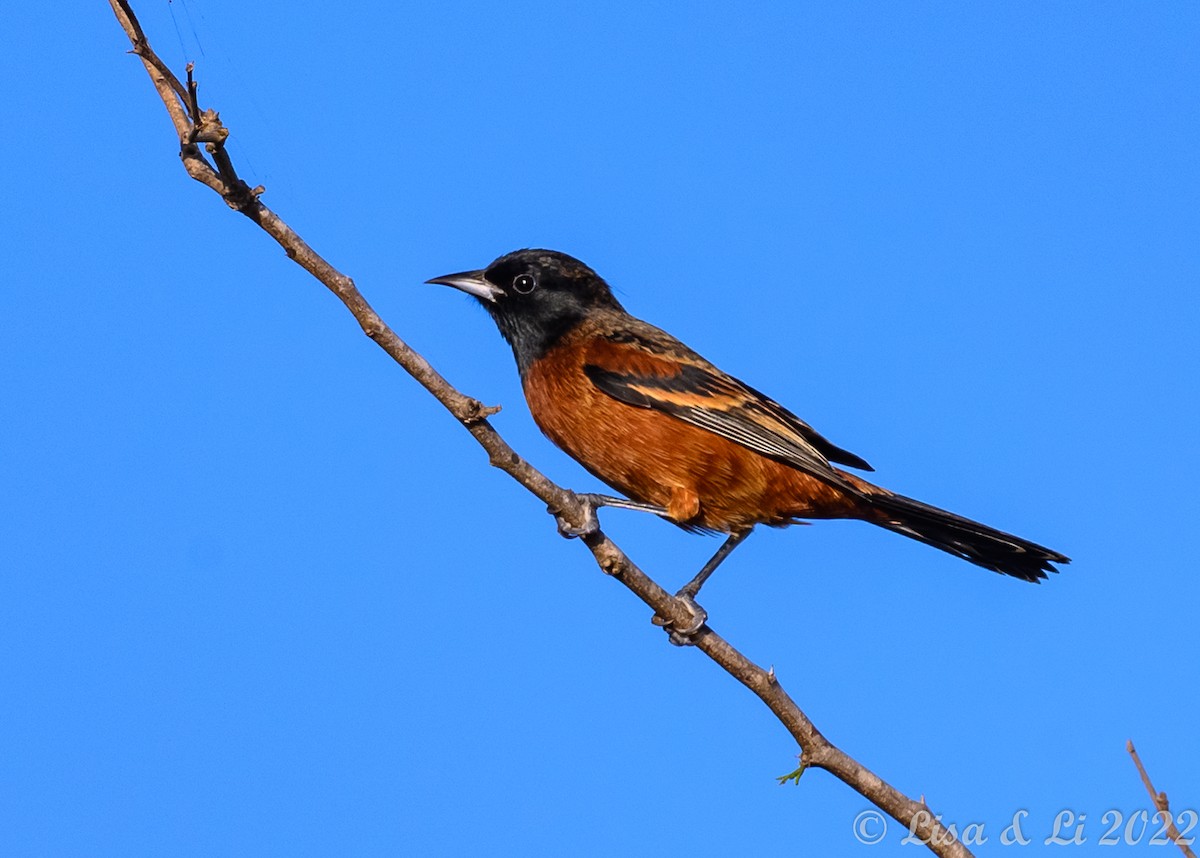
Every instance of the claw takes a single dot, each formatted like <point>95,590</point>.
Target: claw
<point>684,635</point>
<point>591,522</point>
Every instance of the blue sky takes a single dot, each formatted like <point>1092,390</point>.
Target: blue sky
<point>260,595</point>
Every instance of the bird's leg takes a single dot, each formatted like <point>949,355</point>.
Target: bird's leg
<point>692,588</point>
<point>592,502</point>
<point>682,636</point>
<point>621,503</point>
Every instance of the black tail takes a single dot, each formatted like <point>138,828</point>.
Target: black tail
<point>982,545</point>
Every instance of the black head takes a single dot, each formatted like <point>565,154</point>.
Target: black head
<point>535,296</point>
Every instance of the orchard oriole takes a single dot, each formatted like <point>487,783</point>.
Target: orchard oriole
<point>659,423</point>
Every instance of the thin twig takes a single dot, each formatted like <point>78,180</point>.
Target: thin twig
<point>816,750</point>
<point>1160,802</point>
<point>193,93</point>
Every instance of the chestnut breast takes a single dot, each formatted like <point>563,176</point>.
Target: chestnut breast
<point>702,479</point>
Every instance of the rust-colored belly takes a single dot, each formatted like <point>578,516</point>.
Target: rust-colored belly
<point>701,478</point>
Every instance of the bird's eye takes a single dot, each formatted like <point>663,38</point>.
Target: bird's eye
<point>524,283</point>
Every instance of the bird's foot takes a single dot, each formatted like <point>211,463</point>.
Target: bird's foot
<point>685,634</point>
<point>593,502</point>
<point>591,522</point>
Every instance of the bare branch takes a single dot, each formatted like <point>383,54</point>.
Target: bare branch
<point>196,126</point>
<point>1160,802</point>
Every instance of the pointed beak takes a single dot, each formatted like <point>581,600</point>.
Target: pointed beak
<point>471,282</point>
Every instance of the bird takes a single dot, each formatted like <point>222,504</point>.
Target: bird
<point>679,437</point>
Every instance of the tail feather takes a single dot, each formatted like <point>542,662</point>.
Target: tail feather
<point>982,545</point>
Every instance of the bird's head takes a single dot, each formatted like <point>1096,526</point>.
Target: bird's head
<point>535,296</point>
